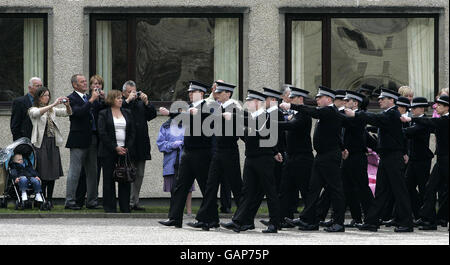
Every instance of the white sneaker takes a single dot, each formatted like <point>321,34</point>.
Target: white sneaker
<point>38,197</point>
<point>24,196</point>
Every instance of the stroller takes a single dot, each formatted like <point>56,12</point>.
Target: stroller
<point>10,189</point>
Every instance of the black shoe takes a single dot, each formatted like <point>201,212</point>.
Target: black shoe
<point>231,225</point>
<point>207,226</point>
<point>246,227</point>
<point>390,223</point>
<point>442,222</point>
<point>335,228</point>
<point>137,208</point>
<point>171,222</point>
<point>309,227</point>
<point>427,226</point>
<point>72,207</point>
<point>286,225</point>
<point>404,229</point>
<point>264,222</point>
<point>94,207</point>
<point>197,224</point>
<point>327,223</point>
<point>270,229</point>
<point>353,224</point>
<point>368,227</point>
<point>295,222</point>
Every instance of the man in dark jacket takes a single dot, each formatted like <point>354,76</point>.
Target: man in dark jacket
<point>142,112</point>
<point>82,141</point>
<point>326,165</point>
<point>20,121</point>
<point>390,181</point>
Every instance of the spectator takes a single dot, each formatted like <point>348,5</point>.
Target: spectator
<point>142,111</point>
<point>170,142</point>
<point>22,175</point>
<point>95,83</point>
<point>82,141</point>
<point>117,134</point>
<point>20,122</point>
<point>407,92</point>
<point>47,138</point>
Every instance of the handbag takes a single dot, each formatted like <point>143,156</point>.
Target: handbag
<point>124,171</point>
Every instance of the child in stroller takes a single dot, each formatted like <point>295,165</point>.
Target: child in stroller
<point>25,176</point>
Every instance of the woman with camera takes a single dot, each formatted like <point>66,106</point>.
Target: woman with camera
<point>116,131</point>
<point>47,138</point>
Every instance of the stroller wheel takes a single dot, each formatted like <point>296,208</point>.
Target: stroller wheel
<point>45,206</point>
<point>4,203</point>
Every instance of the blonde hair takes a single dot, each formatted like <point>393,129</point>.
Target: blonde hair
<point>405,91</point>
<point>98,78</point>
<point>111,97</point>
<point>443,90</point>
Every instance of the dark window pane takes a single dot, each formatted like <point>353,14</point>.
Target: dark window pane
<point>388,52</point>
<point>11,58</point>
<point>119,53</point>
<point>172,51</point>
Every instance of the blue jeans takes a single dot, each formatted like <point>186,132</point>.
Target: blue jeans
<point>24,182</point>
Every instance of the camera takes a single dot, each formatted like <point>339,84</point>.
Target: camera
<point>138,94</point>
<point>64,100</point>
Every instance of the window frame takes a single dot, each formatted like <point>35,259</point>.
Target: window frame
<point>6,105</point>
<point>326,39</point>
<point>131,19</point>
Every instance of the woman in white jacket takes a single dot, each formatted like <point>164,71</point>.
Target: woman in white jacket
<point>47,138</point>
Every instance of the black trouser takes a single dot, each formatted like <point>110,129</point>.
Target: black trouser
<point>417,175</point>
<point>438,177</point>
<point>225,195</point>
<point>323,204</point>
<point>356,184</point>
<point>194,164</point>
<point>326,172</point>
<point>82,188</point>
<point>258,176</point>
<point>224,168</point>
<point>278,172</point>
<point>391,183</point>
<point>109,187</point>
<point>47,189</point>
<point>295,178</point>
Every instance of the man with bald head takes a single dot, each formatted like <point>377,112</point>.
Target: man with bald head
<point>20,121</point>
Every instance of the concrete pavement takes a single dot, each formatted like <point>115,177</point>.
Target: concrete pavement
<point>147,231</point>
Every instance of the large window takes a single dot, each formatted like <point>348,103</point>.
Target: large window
<point>23,49</point>
<point>162,53</point>
<point>345,52</point>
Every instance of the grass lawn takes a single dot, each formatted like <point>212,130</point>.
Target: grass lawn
<point>148,209</point>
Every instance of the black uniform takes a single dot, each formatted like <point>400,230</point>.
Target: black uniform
<point>224,168</point>
<point>440,173</point>
<point>297,170</point>
<point>326,165</point>
<point>258,175</point>
<point>390,181</point>
<point>194,164</point>
<point>354,169</point>
<point>323,206</point>
<point>419,165</point>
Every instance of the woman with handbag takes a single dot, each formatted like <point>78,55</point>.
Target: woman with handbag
<point>116,133</point>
